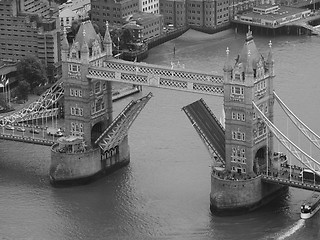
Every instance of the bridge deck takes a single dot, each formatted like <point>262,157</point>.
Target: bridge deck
<point>118,129</point>
<point>297,183</point>
<point>207,126</point>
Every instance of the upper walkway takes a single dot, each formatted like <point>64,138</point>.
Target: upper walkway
<point>152,75</point>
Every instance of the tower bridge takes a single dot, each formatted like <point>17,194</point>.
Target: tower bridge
<point>96,143</point>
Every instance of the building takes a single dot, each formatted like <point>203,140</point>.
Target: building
<point>115,12</point>
<point>152,24</point>
<point>174,12</point>
<point>271,16</point>
<point>67,16</point>
<point>43,8</point>
<point>79,7</point>
<point>207,13</point>
<point>24,33</point>
<point>150,6</point>
<point>237,186</point>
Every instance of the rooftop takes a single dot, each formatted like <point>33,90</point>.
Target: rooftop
<point>283,12</point>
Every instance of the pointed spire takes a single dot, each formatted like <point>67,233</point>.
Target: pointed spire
<point>227,66</point>
<point>65,44</point>
<point>249,68</point>
<point>107,38</point>
<point>270,55</point>
<point>107,41</point>
<point>84,47</point>
<point>249,36</point>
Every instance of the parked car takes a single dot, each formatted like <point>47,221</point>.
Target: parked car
<point>32,130</point>
<point>21,129</point>
<point>9,127</point>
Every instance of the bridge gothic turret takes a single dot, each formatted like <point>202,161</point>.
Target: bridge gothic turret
<point>249,80</point>
<point>88,102</point>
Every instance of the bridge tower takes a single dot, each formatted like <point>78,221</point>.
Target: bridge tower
<point>88,112</point>
<point>88,103</point>
<point>239,186</point>
<point>248,144</point>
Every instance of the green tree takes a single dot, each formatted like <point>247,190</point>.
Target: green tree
<point>32,71</point>
<point>23,90</point>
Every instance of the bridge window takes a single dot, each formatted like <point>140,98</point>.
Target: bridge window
<point>75,92</point>
<point>238,155</point>
<point>98,105</point>
<point>76,111</point>
<point>76,129</point>
<point>237,90</point>
<point>74,68</point>
<point>237,135</point>
<point>97,87</point>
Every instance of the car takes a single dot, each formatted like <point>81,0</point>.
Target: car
<point>32,130</point>
<point>21,129</point>
<point>9,127</point>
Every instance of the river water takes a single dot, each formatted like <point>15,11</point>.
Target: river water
<point>164,192</point>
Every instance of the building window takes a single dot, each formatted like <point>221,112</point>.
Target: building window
<point>237,135</point>
<point>237,90</point>
<point>76,111</point>
<point>75,92</point>
<point>97,87</point>
<point>74,68</point>
<point>76,129</point>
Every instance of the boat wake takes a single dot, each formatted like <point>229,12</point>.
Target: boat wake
<point>291,230</point>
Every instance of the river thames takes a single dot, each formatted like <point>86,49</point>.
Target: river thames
<point>164,192</point>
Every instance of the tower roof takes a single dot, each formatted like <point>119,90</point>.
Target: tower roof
<point>249,46</point>
<point>107,38</point>
<point>65,44</point>
<point>227,65</point>
<point>90,34</point>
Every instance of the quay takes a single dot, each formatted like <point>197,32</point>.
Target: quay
<point>273,18</point>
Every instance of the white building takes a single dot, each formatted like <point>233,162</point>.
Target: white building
<point>72,10</point>
<point>67,16</point>
<point>149,6</point>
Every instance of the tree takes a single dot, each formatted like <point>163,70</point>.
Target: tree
<point>23,90</point>
<point>32,71</point>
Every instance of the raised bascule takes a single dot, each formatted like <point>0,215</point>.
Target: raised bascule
<point>246,173</point>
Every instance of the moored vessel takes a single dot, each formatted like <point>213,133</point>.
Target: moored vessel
<point>310,206</point>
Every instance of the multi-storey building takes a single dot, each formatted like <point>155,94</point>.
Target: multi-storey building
<point>152,24</point>
<point>80,7</point>
<point>207,13</point>
<point>115,12</point>
<point>67,16</point>
<point>174,12</point>
<point>23,34</point>
<point>150,6</point>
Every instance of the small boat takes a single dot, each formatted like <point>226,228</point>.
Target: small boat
<point>310,206</point>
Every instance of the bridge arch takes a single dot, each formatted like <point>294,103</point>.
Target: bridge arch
<point>259,161</point>
<point>96,131</point>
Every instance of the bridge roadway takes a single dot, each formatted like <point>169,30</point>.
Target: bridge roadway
<point>207,126</point>
<point>290,178</point>
<point>39,137</point>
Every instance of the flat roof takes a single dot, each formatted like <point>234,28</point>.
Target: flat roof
<point>265,6</point>
<point>283,12</point>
